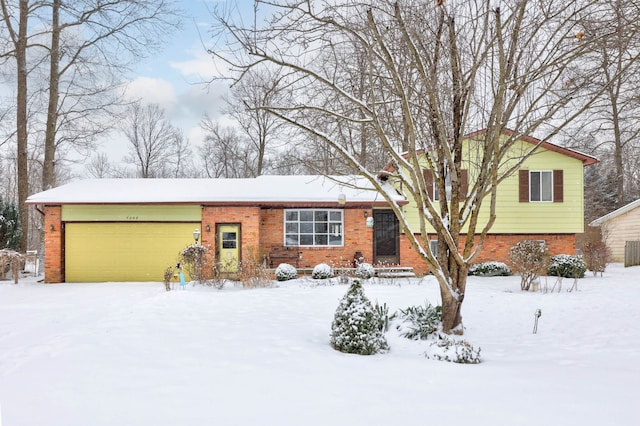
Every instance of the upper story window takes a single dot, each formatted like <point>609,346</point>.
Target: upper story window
<point>432,187</point>
<point>313,227</point>
<point>541,185</point>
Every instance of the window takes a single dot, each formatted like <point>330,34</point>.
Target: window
<point>541,186</point>
<point>433,245</point>
<point>432,188</point>
<point>313,227</point>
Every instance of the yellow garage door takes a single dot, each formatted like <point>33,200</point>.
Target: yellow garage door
<point>97,252</point>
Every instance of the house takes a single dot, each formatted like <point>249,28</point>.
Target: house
<point>133,229</point>
<point>619,227</point>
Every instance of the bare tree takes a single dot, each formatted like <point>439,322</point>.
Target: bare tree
<point>153,140</point>
<point>613,118</point>
<point>226,153</point>
<point>435,71</point>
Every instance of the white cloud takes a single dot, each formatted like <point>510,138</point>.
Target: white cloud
<point>153,90</point>
<point>201,66</point>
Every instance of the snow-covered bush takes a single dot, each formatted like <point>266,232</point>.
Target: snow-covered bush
<point>285,272</point>
<point>490,269</point>
<point>356,327</point>
<point>194,259</point>
<point>365,271</point>
<point>322,271</point>
<point>419,322</point>
<point>451,350</point>
<point>566,266</point>
<point>528,258</point>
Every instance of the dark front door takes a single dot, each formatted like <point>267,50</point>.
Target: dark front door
<point>385,237</point>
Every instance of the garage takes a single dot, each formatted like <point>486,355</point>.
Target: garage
<point>123,251</point>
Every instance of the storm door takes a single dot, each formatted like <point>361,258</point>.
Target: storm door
<point>385,237</point>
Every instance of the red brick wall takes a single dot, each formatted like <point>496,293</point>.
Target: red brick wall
<point>247,217</point>
<point>357,238</point>
<point>496,248</point>
<point>53,245</point>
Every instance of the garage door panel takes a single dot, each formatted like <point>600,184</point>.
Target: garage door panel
<point>97,252</point>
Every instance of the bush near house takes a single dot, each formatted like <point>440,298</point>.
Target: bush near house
<point>322,271</point>
<point>10,229</point>
<point>528,258</point>
<point>364,271</point>
<point>490,269</point>
<point>566,266</point>
<point>285,272</point>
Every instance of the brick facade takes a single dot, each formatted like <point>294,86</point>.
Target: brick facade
<point>496,248</point>
<point>357,238</point>
<point>53,245</point>
<point>247,217</point>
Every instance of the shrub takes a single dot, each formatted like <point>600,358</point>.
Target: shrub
<point>194,258</point>
<point>356,326</point>
<point>458,351</point>
<point>528,258</point>
<point>322,271</point>
<point>10,227</point>
<point>365,271</point>
<point>566,266</point>
<point>596,256</point>
<point>490,269</point>
<point>252,273</point>
<point>418,322</point>
<point>383,316</point>
<point>285,272</point>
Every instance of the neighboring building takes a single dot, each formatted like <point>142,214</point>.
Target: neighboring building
<point>133,229</point>
<point>618,227</point>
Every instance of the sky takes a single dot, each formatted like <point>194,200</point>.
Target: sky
<point>174,76</point>
<point>134,354</point>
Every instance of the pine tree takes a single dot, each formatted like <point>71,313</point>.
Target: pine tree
<point>10,229</point>
<point>355,325</point>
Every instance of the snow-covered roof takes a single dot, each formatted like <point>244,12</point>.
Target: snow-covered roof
<point>263,189</point>
<point>622,210</point>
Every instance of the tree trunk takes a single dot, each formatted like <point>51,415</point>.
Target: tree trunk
<point>452,300</point>
<point>48,166</point>
<point>21,124</point>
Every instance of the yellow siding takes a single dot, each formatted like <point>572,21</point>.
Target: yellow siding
<point>617,231</point>
<point>513,216</point>
<point>97,252</point>
<point>131,213</point>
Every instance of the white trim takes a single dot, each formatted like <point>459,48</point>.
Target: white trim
<point>622,210</point>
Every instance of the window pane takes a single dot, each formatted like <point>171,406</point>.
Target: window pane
<point>321,228</point>
<point>292,215</point>
<point>306,228</point>
<point>335,240</point>
<point>321,240</point>
<point>534,179</point>
<point>306,215</point>
<point>335,216</point>
<point>292,240</point>
<point>321,215</point>
<point>547,186</point>
<point>291,228</point>
<point>306,240</point>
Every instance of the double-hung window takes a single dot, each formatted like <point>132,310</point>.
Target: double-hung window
<point>541,185</point>
<point>313,227</point>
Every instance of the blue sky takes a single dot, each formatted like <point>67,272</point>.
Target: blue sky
<point>173,76</point>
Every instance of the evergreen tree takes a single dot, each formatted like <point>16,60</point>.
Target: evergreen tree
<point>355,325</point>
<point>10,229</point>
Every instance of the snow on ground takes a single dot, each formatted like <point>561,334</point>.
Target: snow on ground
<point>133,354</point>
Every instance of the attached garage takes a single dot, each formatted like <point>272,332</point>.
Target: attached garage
<point>123,251</point>
<point>125,242</point>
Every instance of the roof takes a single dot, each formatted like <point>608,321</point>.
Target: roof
<point>622,210</point>
<point>260,190</point>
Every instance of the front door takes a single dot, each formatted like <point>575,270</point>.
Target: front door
<point>229,247</point>
<point>385,237</point>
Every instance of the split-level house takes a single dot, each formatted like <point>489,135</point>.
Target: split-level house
<point>133,229</point>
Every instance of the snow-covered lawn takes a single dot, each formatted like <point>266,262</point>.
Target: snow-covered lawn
<point>133,354</point>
